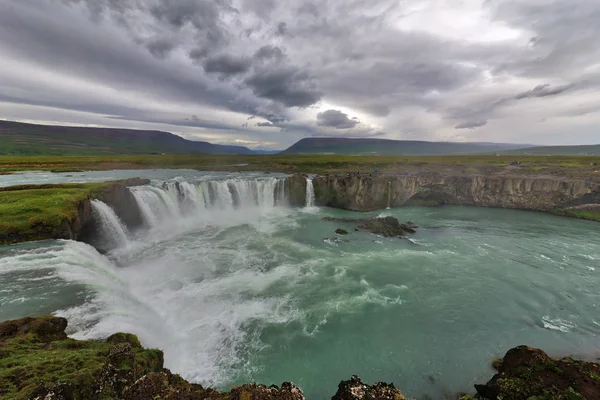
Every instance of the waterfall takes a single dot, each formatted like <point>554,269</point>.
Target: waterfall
<point>389,201</point>
<point>310,193</point>
<point>164,201</point>
<point>111,227</point>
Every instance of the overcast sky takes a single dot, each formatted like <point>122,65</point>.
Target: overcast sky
<point>266,73</point>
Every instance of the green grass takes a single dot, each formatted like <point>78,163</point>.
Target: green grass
<point>25,362</point>
<point>35,209</point>
<point>293,163</point>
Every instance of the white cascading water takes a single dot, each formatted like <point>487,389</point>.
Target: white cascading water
<point>175,199</point>
<point>111,226</point>
<point>310,193</point>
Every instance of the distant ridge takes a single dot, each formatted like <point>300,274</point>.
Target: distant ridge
<point>387,147</point>
<point>17,138</point>
<point>581,150</point>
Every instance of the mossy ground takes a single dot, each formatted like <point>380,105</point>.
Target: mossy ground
<point>581,214</point>
<point>31,209</point>
<point>26,362</point>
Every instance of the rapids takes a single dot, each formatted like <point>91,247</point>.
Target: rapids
<point>236,286</point>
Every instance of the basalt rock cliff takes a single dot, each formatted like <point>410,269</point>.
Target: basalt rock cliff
<point>364,192</point>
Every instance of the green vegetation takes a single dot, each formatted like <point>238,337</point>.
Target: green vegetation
<point>297,163</point>
<point>558,150</point>
<point>30,360</point>
<point>32,209</point>
<point>590,215</point>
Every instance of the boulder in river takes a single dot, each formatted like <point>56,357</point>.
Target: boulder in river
<point>387,227</point>
<point>341,231</point>
<point>384,226</point>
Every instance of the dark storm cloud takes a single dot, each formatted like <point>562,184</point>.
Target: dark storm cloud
<point>226,64</point>
<point>270,52</point>
<point>336,119</point>
<point>543,91</point>
<point>288,85</point>
<point>160,47</point>
<point>471,125</point>
<point>267,124</point>
<point>281,29</point>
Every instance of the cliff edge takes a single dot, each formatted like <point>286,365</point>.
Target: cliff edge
<point>365,192</point>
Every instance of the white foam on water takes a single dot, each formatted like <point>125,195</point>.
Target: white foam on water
<point>194,312</point>
<point>557,324</point>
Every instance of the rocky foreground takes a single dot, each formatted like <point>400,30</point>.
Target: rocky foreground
<point>38,361</point>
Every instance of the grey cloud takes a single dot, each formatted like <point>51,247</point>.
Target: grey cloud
<point>270,52</point>
<point>281,29</point>
<point>160,47</point>
<point>287,84</point>
<point>543,91</point>
<point>309,8</point>
<point>226,64</point>
<point>336,119</point>
<point>471,125</point>
<point>377,109</point>
<point>264,124</point>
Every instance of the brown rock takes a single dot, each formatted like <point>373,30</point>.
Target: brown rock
<point>526,373</point>
<point>355,389</point>
<point>46,329</point>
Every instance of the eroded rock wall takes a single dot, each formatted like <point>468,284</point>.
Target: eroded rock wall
<point>364,193</point>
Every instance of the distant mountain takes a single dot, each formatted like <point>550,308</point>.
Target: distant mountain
<point>584,150</point>
<point>386,147</point>
<point>18,138</point>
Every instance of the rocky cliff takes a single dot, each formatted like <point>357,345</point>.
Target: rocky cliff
<point>364,192</point>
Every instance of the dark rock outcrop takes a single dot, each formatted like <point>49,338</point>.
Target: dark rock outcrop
<point>297,190</point>
<point>387,227</point>
<point>120,198</point>
<point>527,373</point>
<point>341,231</point>
<point>384,226</point>
<point>355,389</point>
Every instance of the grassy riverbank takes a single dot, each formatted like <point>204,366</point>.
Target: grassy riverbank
<point>27,209</point>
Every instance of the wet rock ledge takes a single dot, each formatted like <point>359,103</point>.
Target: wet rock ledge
<point>39,362</point>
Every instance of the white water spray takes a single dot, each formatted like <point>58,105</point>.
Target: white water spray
<point>175,199</point>
<point>310,193</point>
<point>389,201</point>
<point>111,226</point>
